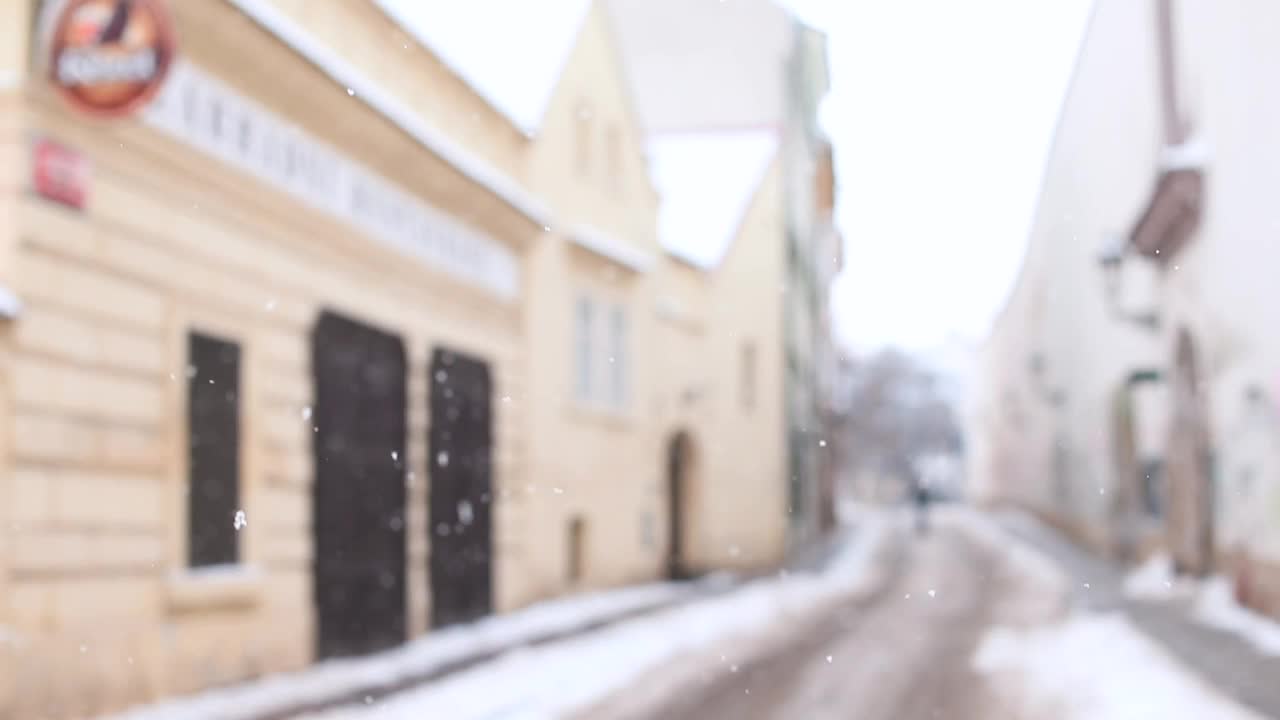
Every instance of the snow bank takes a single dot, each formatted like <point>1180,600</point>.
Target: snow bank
<point>568,677</point>
<point>1213,602</point>
<point>1216,607</point>
<point>1095,667</point>
<point>432,652</point>
<point>1155,580</point>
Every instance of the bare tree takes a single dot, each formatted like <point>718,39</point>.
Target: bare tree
<point>893,413</point>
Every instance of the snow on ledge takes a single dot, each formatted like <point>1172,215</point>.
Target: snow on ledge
<point>1189,155</point>
<point>565,679</point>
<point>438,649</point>
<point>362,88</point>
<point>611,248</point>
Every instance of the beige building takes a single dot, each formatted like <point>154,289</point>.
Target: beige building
<point>1129,387</point>
<point>727,71</point>
<point>302,364</point>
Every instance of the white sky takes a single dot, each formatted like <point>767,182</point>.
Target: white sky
<point>942,113</point>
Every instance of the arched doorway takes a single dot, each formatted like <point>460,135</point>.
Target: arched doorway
<point>1189,464</point>
<point>680,466</point>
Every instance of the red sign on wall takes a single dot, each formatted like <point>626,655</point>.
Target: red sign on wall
<point>60,174</point>
<point>109,57</point>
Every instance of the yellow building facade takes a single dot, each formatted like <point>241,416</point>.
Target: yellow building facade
<point>293,349</point>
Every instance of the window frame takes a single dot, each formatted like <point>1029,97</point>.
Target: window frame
<point>619,365</point>
<point>192,559</point>
<point>584,348</point>
<point>748,374</point>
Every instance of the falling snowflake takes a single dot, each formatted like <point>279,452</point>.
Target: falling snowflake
<point>271,305</point>
<point>933,593</point>
<point>822,443</point>
<point>442,458</point>
<point>828,659</point>
<point>395,456</point>
<point>306,412</point>
<point>350,92</point>
<point>240,522</point>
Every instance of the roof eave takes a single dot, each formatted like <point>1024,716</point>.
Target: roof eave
<point>365,90</point>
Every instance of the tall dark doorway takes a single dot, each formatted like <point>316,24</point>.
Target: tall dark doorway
<point>359,492</point>
<point>679,459</point>
<point>1189,468</point>
<point>460,453</point>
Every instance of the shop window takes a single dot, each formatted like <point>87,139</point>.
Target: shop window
<point>747,375</point>
<point>618,357</point>
<point>213,451</point>
<point>584,348</point>
<point>577,548</point>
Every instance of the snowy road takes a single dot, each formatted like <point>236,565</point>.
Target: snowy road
<point>964,623</point>
<point>903,653</point>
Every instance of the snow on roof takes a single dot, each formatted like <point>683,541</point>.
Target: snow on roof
<point>511,52</point>
<point>706,181</point>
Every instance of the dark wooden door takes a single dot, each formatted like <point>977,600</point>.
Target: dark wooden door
<point>677,468</point>
<point>460,453</point>
<point>359,492</point>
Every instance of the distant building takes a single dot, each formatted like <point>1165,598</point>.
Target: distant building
<point>733,69</point>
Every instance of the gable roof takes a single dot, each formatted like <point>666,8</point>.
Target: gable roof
<point>511,52</point>
<point>706,181</point>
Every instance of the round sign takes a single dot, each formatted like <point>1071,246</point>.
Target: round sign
<point>109,57</point>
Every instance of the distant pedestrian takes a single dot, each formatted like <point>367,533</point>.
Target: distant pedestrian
<point>921,501</point>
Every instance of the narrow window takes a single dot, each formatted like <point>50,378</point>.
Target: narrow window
<point>618,357</point>
<point>748,375</point>
<point>582,138</point>
<point>213,451</point>
<point>613,145</point>
<point>584,348</point>
<point>577,548</point>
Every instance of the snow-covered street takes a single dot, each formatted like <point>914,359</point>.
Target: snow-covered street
<point>964,622</point>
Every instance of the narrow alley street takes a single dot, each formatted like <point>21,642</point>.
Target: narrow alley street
<point>902,652</point>
<point>985,617</point>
